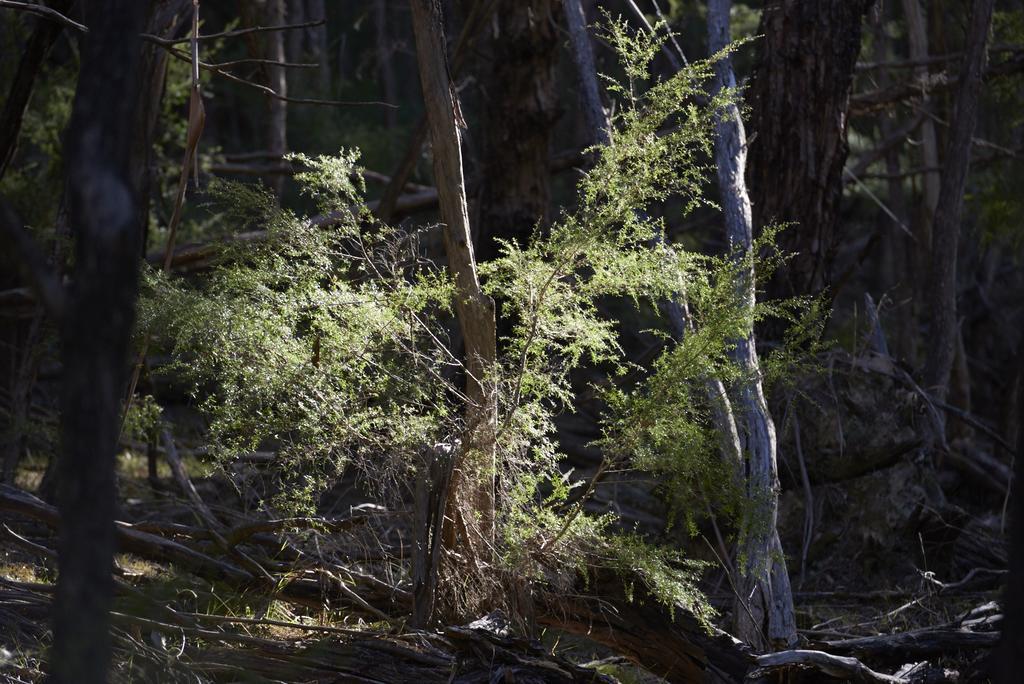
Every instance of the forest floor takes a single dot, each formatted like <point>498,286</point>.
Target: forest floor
<point>895,547</point>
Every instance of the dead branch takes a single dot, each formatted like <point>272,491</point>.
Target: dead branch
<point>840,667</point>
<point>255,29</point>
<point>169,45</point>
<point>897,648</point>
<point>45,12</point>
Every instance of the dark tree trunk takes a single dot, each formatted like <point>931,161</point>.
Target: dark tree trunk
<point>95,334</point>
<point>799,96</point>
<point>1012,644</point>
<point>521,105</point>
<point>385,67</point>
<point>39,43</point>
<point>943,328</point>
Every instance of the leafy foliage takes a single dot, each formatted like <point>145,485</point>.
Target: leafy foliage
<point>326,339</point>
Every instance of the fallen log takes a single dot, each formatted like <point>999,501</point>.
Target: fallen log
<point>671,644</point>
<point>898,648</point>
<point>839,667</point>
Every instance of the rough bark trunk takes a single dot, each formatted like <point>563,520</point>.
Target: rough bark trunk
<point>470,508</point>
<point>800,96</point>
<point>95,334</point>
<point>942,334</point>
<point>764,615</point>
<point>522,106</point>
<point>594,116</point>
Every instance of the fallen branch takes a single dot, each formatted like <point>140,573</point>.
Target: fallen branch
<point>44,12</point>
<point>840,667</point>
<point>897,648</point>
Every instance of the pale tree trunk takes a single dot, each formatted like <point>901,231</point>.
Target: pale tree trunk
<point>763,613</point>
<point>943,327</point>
<point>277,110</point>
<point>675,310</point>
<point>470,506</point>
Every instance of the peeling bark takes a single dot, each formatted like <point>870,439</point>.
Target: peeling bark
<point>470,508</point>
<point>763,615</point>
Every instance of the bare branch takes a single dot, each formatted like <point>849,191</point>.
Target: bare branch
<point>45,12</point>
<point>214,68</point>
<point>253,29</point>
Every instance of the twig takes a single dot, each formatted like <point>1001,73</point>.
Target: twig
<point>880,203</point>
<point>267,90</point>
<point>808,499</point>
<point>254,29</point>
<point>269,62</point>
<point>45,12</point>
<point>228,619</point>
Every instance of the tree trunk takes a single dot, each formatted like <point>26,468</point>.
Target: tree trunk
<point>942,333</point>
<point>675,310</point>
<point>39,43</point>
<point>594,116</point>
<point>1012,644</point>
<point>95,334</point>
<point>385,50</point>
<point>799,97</point>
<point>270,45</point>
<point>521,109</point>
<point>169,19</point>
<point>764,611</point>
<point>295,11</point>
<point>317,41</point>
<point>917,37</point>
<point>470,506</point>
<point>277,78</point>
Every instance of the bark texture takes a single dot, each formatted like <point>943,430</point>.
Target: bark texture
<point>764,612</point>
<point>800,96</point>
<point>95,334</point>
<point>943,328</point>
<point>521,110</point>
<point>594,115</point>
<point>470,508</point>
